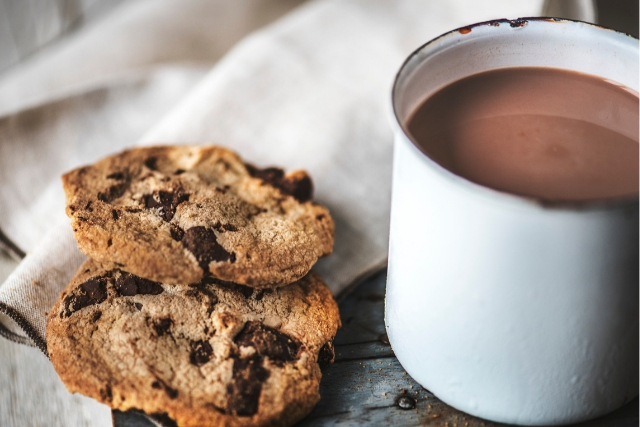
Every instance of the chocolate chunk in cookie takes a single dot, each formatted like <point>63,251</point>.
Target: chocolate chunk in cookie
<point>129,285</point>
<point>201,352</point>
<point>202,243</point>
<point>246,385</point>
<point>267,342</point>
<point>298,185</point>
<point>91,292</point>
<point>166,202</point>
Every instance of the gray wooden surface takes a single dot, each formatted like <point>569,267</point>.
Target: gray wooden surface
<point>367,386</point>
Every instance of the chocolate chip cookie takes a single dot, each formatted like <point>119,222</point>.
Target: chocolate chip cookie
<point>177,214</point>
<point>211,353</point>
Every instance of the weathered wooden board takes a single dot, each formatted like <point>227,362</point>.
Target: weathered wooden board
<point>367,386</point>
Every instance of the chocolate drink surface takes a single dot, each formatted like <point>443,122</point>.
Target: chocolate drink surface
<point>539,132</point>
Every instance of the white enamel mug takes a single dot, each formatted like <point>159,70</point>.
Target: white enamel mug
<point>503,307</point>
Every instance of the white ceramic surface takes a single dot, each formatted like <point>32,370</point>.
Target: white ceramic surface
<point>502,307</point>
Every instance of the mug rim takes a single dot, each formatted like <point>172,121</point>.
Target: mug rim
<point>522,200</point>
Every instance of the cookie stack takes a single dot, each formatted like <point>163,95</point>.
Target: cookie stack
<point>196,306</point>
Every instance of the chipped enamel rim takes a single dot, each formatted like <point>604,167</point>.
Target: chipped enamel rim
<point>445,41</point>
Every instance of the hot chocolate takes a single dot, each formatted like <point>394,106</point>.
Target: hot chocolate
<point>540,132</point>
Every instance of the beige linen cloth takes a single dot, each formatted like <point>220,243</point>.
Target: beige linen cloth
<point>311,91</point>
